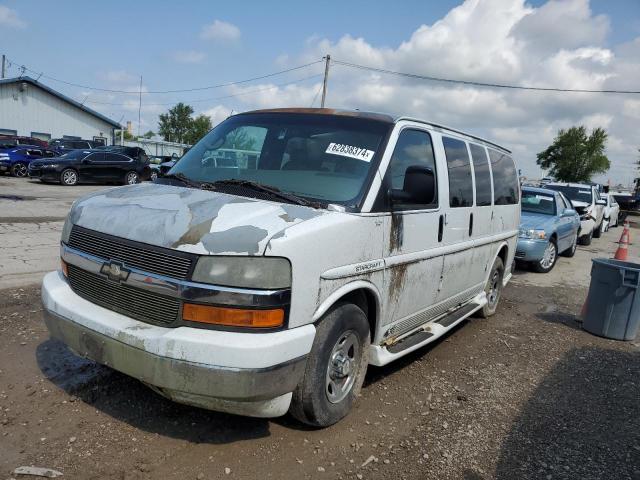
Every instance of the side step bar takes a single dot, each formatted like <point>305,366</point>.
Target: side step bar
<point>380,355</point>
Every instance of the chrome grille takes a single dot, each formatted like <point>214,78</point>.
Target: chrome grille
<point>132,254</point>
<point>142,305</point>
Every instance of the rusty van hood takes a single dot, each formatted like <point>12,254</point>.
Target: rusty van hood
<point>187,219</point>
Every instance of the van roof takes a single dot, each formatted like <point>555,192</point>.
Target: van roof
<point>381,117</point>
<point>576,185</point>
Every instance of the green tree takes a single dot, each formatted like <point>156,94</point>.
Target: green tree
<point>198,128</point>
<point>575,156</point>
<point>126,135</point>
<point>175,124</point>
<point>148,135</point>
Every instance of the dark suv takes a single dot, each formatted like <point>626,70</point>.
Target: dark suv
<point>63,145</point>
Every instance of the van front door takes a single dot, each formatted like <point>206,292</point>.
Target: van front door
<point>411,230</point>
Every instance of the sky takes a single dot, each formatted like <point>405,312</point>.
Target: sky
<point>191,45</point>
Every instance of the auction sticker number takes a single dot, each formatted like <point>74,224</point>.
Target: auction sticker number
<point>350,151</point>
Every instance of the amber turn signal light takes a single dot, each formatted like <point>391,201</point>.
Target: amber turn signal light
<point>233,317</point>
<point>63,266</point>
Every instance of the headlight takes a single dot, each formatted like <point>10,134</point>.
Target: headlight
<point>51,165</point>
<point>532,234</point>
<point>245,272</point>
<point>66,230</point>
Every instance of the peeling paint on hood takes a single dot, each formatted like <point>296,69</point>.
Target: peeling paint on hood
<point>188,219</point>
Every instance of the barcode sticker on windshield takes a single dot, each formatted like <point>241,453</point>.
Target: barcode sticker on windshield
<point>350,151</point>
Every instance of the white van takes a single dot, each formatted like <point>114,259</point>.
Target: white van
<point>267,282</point>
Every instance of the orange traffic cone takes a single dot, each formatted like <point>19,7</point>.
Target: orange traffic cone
<point>623,244</point>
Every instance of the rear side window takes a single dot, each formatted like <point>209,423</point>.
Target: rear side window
<point>505,178</point>
<point>459,167</point>
<point>482,174</point>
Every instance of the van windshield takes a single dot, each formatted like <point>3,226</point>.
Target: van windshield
<point>316,156</point>
<point>577,194</point>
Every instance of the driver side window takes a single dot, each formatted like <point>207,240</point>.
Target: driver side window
<point>413,148</point>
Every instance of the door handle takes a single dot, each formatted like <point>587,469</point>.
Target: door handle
<point>471,224</point>
<point>440,228</point>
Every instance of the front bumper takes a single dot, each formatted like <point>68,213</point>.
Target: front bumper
<point>246,373</point>
<point>587,226</point>
<point>529,250</point>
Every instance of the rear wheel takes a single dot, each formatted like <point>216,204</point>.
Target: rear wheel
<point>597,231</point>
<point>154,176</point>
<point>335,367</point>
<point>493,289</point>
<point>131,178</point>
<point>19,170</point>
<point>69,177</point>
<point>571,251</point>
<point>548,260</point>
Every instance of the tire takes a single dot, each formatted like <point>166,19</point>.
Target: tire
<point>19,170</point>
<point>131,178</point>
<point>571,251</point>
<point>69,177</point>
<point>597,231</point>
<point>154,176</point>
<point>546,263</point>
<point>324,396</point>
<point>493,289</point>
<point>586,239</point>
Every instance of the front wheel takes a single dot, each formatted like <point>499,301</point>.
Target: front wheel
<point>19,170</point>
<point>597,231</point>
<point>586,239</point>
<point>131,178</point>
<point>548,260</point>
<point>69,177</point>
<point>153,176</point>
<point>335,369</point>
<point>493,289</point>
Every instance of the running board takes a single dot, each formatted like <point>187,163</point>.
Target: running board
<point>380,355</point>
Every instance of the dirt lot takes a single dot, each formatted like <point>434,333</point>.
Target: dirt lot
<point>525,394</point>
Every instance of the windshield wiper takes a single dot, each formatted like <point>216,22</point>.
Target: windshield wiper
<point>184,179</point>
<point>272,191</point>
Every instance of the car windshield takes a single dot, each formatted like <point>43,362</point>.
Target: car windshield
<point>535,202</point>
<point>578,194</point>
<point>75,154</point>
<point>316,156</point>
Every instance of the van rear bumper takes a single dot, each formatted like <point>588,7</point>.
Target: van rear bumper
<point>192,366</point>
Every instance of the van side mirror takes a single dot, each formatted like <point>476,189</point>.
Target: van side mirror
<point>419,187</point>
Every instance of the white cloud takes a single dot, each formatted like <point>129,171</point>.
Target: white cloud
<point>10,18</point>
<point>217,114</point>
<point>219,30</point>
<point>188,56</point>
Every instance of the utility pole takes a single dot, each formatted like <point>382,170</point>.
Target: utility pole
<point>140,105</point>
<point>4,60</point>
<point>326,79</point>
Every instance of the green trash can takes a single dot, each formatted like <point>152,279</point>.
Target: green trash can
<point>613,304</point>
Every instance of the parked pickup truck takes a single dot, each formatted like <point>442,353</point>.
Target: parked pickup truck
<point>347,239</point>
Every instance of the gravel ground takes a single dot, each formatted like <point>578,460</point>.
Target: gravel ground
<point>525,394</point>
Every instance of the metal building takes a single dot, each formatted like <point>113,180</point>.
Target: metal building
<point>30,108</point>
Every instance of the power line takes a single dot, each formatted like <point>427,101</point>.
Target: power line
<point>478,84</point>
<point>195,89</point>
<point>248,92</point>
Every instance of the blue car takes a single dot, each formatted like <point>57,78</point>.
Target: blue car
<point>549,226</point>
<point>16,159</point>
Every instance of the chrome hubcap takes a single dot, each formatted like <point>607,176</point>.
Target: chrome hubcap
<point>69,177</point>
<point>131,178</point>
<point>343,368</point>
<point>549,256</point>
<point>20,170</point>
<point>494,288</point>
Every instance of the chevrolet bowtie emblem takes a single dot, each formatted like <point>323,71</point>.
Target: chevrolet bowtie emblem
<point>115,271</point>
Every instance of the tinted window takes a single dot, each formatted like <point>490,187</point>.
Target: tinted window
<point>412,148</point>
<point>459,167</point>
<point>116,157</point>
<point>505,178</point>
<point>535,202</point>
<point>482,174</point>
<point>564,203</point>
